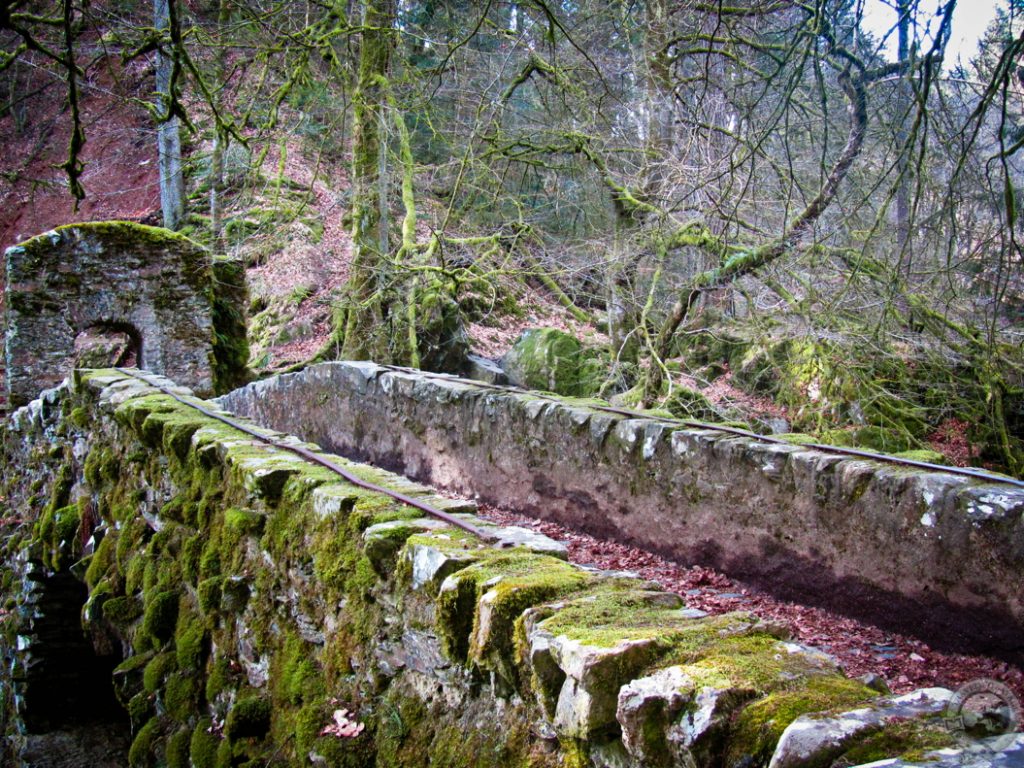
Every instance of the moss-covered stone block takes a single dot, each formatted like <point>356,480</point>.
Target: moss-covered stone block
<point>56,531</point>
<point>143,752</point>
<point>203,745</point>
<point>180,696</point>
<point>911,725</point>
<point>760,725</point>
<point>159,619</point>
<point>190,640</point>
<point>157,669</point>
<point>692,706</point>
<point>122,611</point>
<point>176,753</point>
<point>478,605</point>
<point>249,717</point>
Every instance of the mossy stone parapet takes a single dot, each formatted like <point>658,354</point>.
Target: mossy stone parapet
<point>929,552</point>
<point>153,285</point>
<point>255,596</point>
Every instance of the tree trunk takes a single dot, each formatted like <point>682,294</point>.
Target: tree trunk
<point>217,187</point>
<point>172,181</point>
<point>904,243</point>
<point>623,310</point>
<point>366,325</point>
<point>221,140</point>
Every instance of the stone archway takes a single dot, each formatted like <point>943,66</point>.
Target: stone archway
<point>63,691</point>
<point>109,344</point>
<point>149,283</point>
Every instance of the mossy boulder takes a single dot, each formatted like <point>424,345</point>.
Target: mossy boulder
<point>551,360</point>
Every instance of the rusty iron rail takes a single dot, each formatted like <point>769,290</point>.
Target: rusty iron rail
<point>322,461</point>
<point>833,449</point>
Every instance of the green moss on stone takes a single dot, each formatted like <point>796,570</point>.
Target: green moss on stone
<point>797,438</point>
<point>140,708</point>
<point>383,547</point>
<point>225,755</point>
<point>79,417</point>
<point>158,668</point>
<point>925,455</point>
<point>244,521</point>
<point>404,732</point>
<point>131,540</point>
<point>759,726</point>
<point>612,615</point>
<point>103,561</point>
<point>176,753</point>
<point>297,678</point>
<point>219,678</point>
<point>208,592</point>
<point>142,752</point>
<point>191,553</point>
<point>60,489</point>
<point>189,640</point>
<point>181,696</point>
<point>910,740</point>
<point>550,360</point>
<point>56,531</point>
<point>203,745</point>
<point>753,661</point>
<point>249,717</point>
<point>160,618</point>
<point>513,582</point>
<point>160,614</point>
<point>210,560</point>
<point>122,611</point>
<point>95,466</point>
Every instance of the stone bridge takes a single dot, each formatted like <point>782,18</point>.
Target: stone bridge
<point>243,606</point>
<point>932,553</point>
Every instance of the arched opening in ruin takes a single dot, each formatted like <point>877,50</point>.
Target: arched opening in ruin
<point>68,704</point>
<point>107,344</point>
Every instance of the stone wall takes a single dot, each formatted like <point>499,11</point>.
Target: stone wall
<point>932,553</point>
<point>150,283</point>
<point>263,610</point>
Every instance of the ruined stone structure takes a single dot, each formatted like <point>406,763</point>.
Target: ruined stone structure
<point>151,286</point>
<point>256,606</point>
<point>933,553</point>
